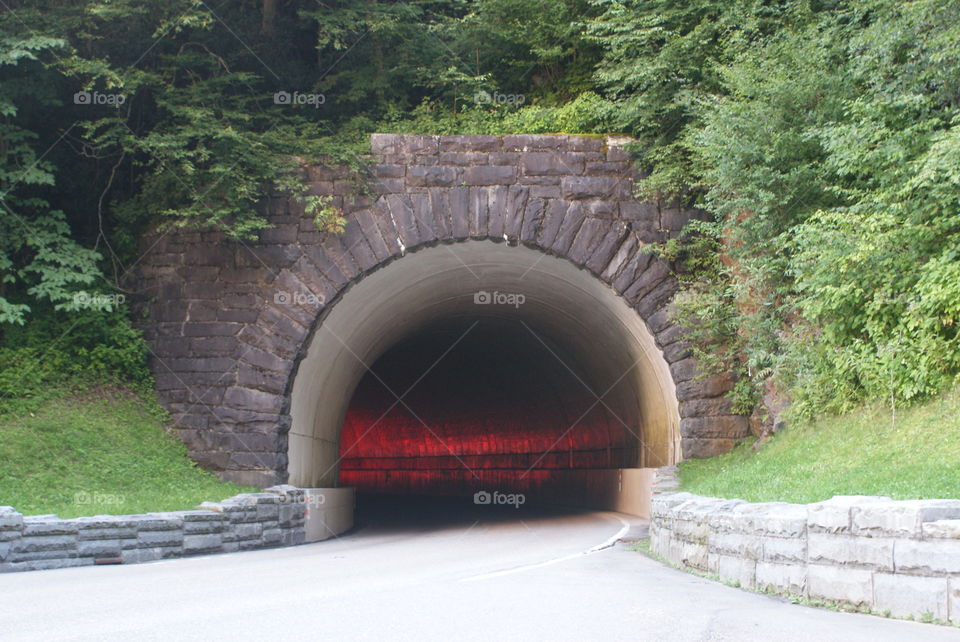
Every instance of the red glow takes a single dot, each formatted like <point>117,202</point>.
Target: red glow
<point>499,410</point>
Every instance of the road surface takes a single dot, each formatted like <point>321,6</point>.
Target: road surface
<point>424,570</point>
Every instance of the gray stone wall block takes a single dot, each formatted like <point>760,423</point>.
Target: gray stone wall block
<point>48,525</point>
<point>865,552</point>
<point>905,596</point>
<point>551,164</point>
<point>205,543</point>
<point>694,555</point>
<point>929,557</point>
<point>742,545</point>
<point>489,175</point>
<point>903,518</point>
<point>43,544</point>
<point>695,448</point>
<point>733,568</point>
<point>602,187</point>
<point>782,578</point>
<point>851,586</point>
<point>833,515</point>
<point>159,538</point>
<point>431,176</point>
<point>942,529</point>
<point>272,536</point>
<point>11,524</point>
<point>792,549</point>
<point>954,600</point>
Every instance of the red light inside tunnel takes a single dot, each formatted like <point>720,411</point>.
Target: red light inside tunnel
<point>499,410</point>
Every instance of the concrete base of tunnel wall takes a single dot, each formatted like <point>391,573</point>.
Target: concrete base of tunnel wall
<point>329,512</point>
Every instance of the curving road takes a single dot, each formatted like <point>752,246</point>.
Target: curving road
<point>424,570</point>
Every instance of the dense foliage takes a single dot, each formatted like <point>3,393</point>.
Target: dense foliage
<point>822,134</point>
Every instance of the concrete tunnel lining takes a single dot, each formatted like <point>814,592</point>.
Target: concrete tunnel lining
<point>565,306</point>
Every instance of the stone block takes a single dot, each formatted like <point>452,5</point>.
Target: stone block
<point>292,537</point>
<point>603,187</point>
<point>694,448</point>
<point>469,143</point>
<point>930,557</point>
<point>785,549</point>
<point>724,427</point>
<point>905,596</point>
<point>701,407</point>
<point>903,518</point>
<point>694,555</point>
<point>942,529</point>
<point>868,552</point>
<point>394,144</point>
<point>954,600</point>
<point>739,544</point>
<point>732,568</point>
<point>48,525</point>
<point>532,142</point>
<point>706,388</point>
<point>206,543</point>
<point>833,515</point>
<point>248,531</point>
<point>44,543</point>
<point>272,536</point>
<point>46,564</point>
<point>431,176</point>
<point>160,538</point>
<point>490,175</point>
<point>782,578</point>
<point>150,554</point>
<point>851,586</point>
<point>551,164</point>
<point>159,522</point>
<point>268,512</point>
<point>101,548</point>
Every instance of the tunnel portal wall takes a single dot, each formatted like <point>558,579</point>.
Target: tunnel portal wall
<point>229,322</point>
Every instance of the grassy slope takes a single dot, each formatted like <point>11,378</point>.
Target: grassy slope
<point>855,454</point>
<point>110,445</point>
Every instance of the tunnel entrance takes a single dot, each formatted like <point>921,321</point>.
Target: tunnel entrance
<point>470,405</point>
<point>515,371</point>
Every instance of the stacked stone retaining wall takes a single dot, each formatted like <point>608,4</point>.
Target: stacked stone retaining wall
<point>274,517</point>
<point>896,557</point>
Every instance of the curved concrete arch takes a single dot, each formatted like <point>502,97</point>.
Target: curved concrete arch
<point>236,328</point>
<point>567,305</point>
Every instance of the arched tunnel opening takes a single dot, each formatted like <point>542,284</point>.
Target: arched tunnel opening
<point>481,367</point>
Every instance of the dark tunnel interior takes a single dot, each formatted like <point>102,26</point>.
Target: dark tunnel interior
<point>484,404</point>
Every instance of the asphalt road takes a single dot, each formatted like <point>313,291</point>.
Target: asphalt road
<point>424,570</point>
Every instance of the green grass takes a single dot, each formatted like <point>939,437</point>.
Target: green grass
<point>859,453</point>
<point>99,452</point>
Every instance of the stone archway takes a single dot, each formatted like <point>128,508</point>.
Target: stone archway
<point>244,334</point>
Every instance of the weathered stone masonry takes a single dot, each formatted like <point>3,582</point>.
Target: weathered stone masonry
<point>240,523</point>
<point>226,349</point>
<point>872,552</point>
